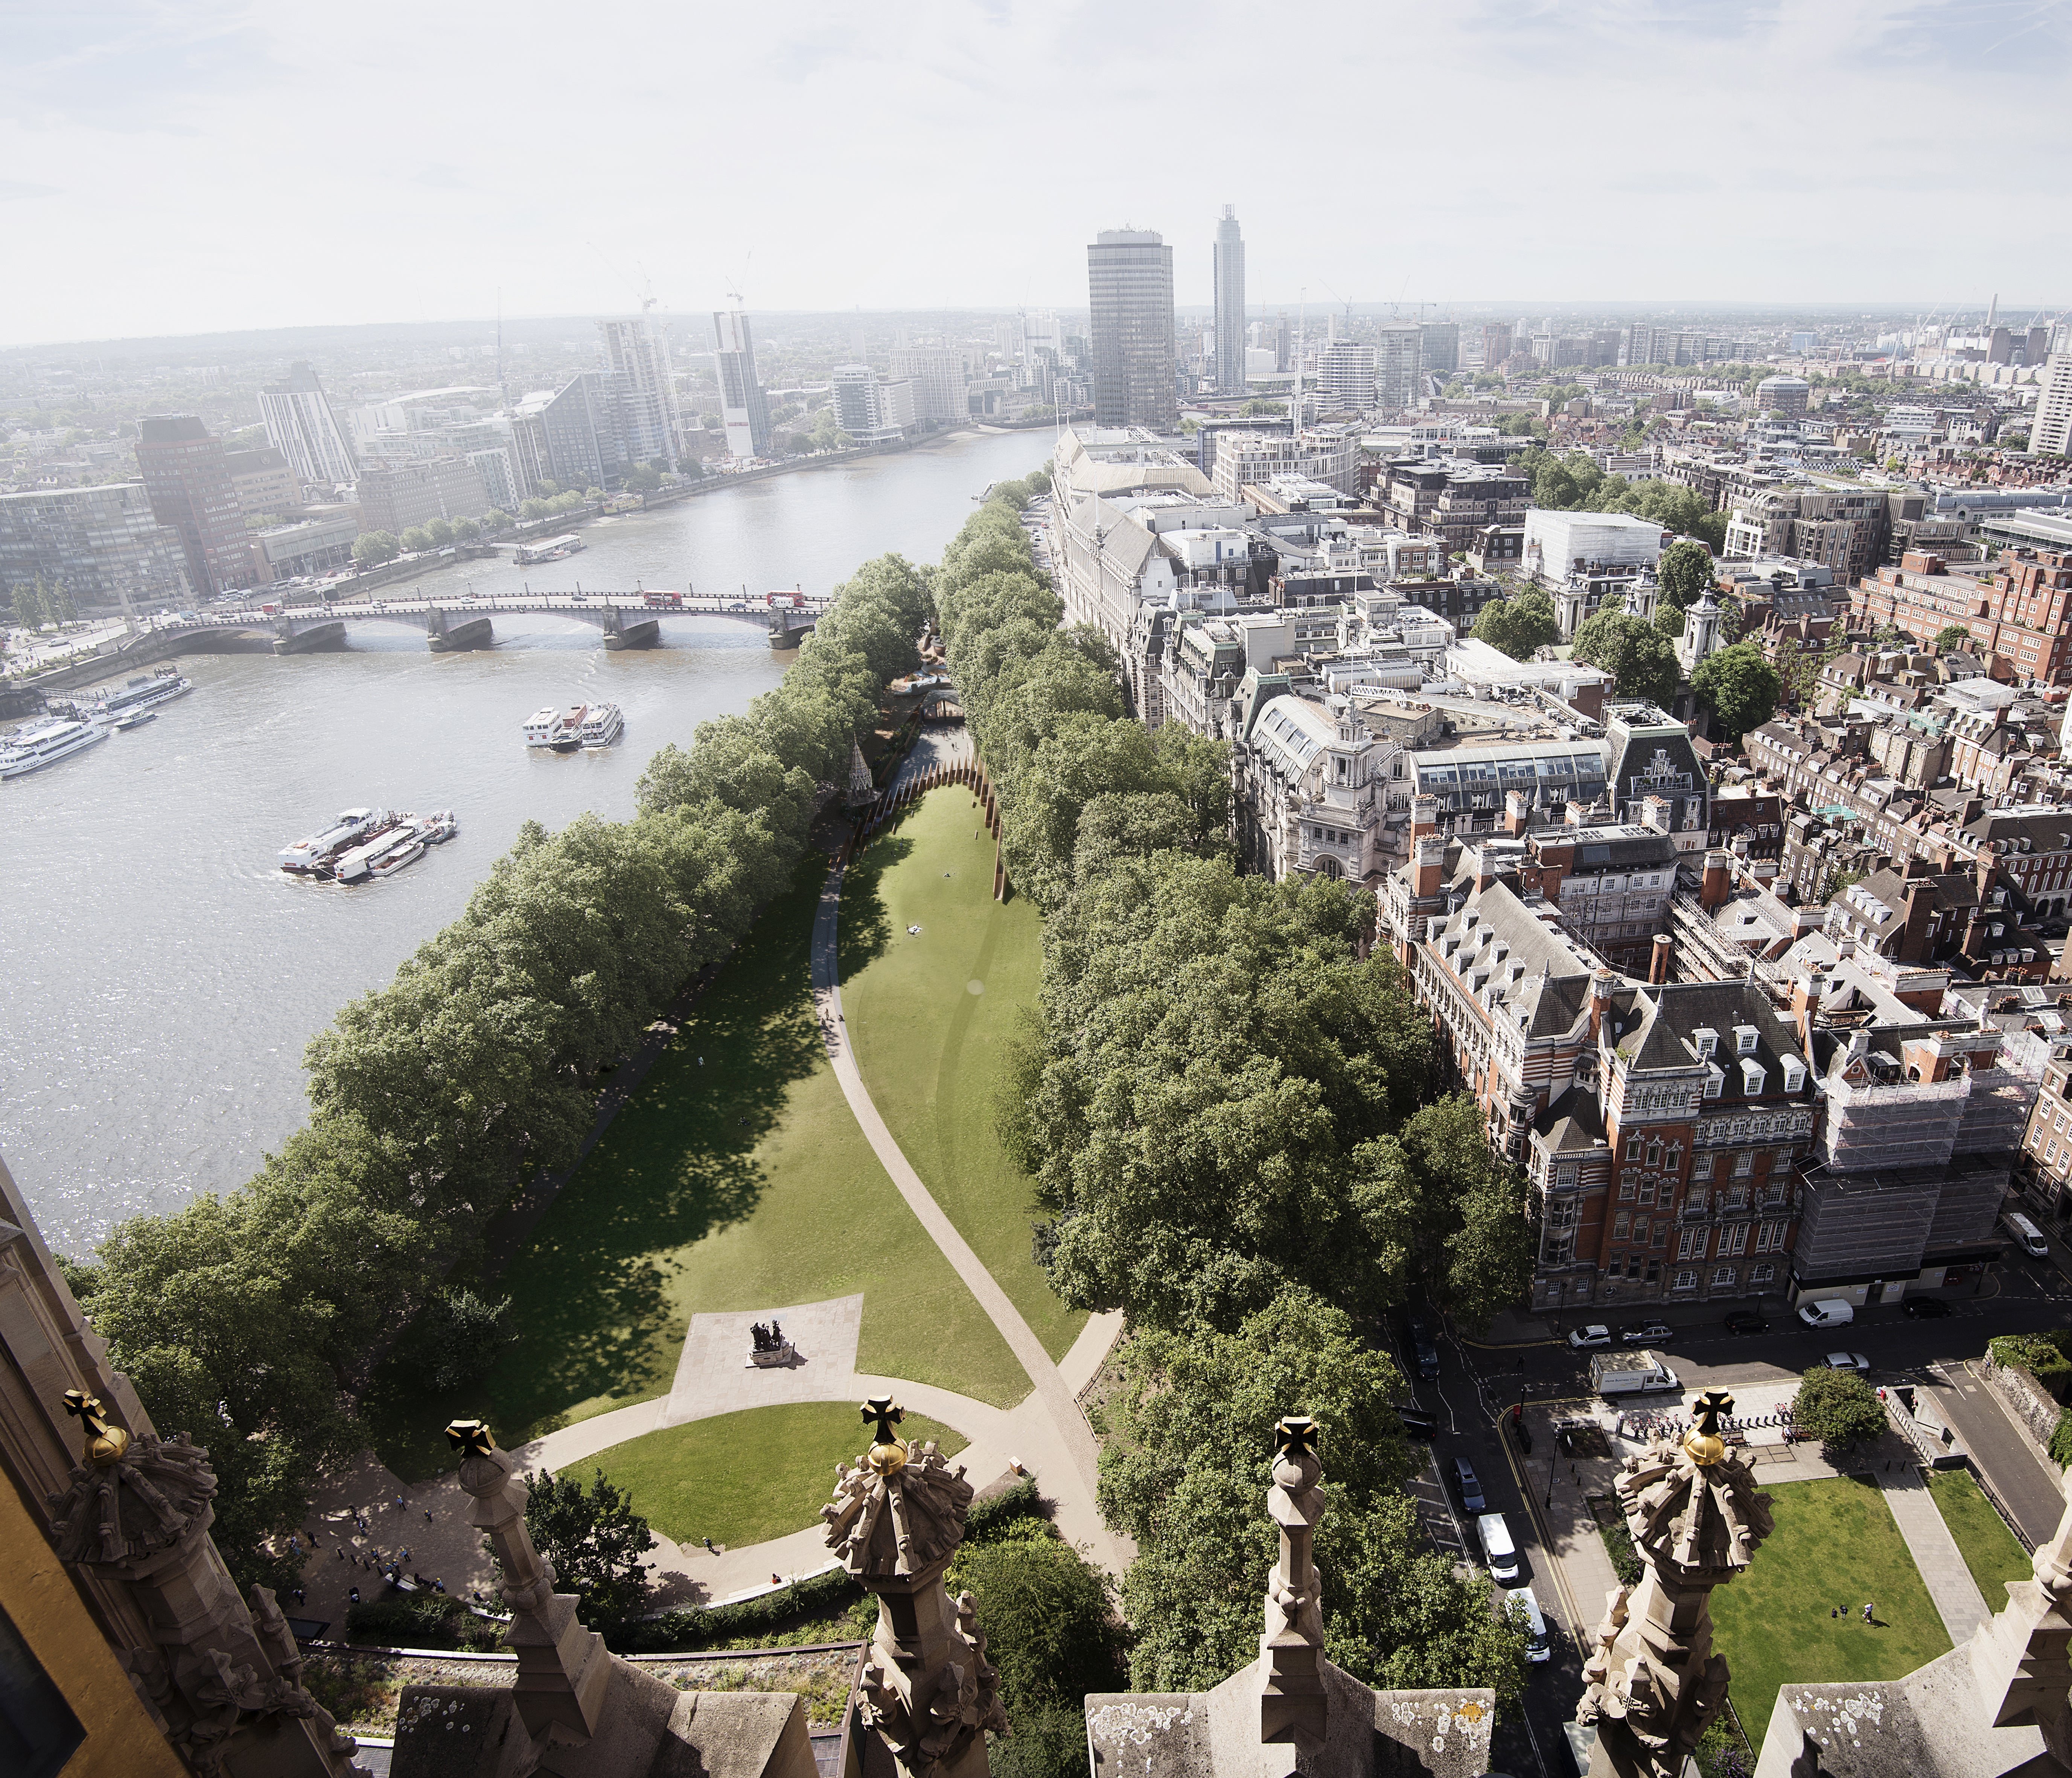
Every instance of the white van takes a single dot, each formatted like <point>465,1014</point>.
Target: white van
<point>2027,1234</point>
<point>1830,1312</point>
<point>1538,1646</point>
<point>1498,1551</point>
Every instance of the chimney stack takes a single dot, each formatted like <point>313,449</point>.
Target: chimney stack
<point>1601,985</point>
<point>1423,816</point>
<point>1516,814</point>
<point>1658,964</point>
<point>1718,885</point>
<point>1428,868</point>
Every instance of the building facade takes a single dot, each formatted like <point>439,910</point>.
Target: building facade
<point>1129,287</point>
<point>636,356</point>
<point>301,427</point>
<point>394,498</point>
<point>1398,365</point>
<point>937,375</point>
<point>1229,270</point>
<point>744,410</point>
<point>263,481</point>
<point>2051,431</point>
<point>186,477</point>
<point>1345,375</point>
<point>104,542</point>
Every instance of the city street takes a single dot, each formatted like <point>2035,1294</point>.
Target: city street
<point>1478,1384</point>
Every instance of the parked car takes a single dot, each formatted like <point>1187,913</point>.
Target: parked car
<point>1830,1311</point>
<point>1597,1334</point>
<point>1470,1490</point>
<point>1847,1361</point>
<point>1647,1334</point>
<point>1746,1321</point>
<point>1927,1308</point>
<point>1417,1423</point>
<point>1498,1550</point>
<point>1426,1347</point>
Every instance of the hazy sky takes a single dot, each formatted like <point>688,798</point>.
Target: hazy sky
<point>204,165</point>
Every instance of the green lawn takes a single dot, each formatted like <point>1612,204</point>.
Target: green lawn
<point>743,1478</point>
<point>1835,1544</point>
<point>1989,1548</point>
<point>929,1046</point>
<point>738,1181</point>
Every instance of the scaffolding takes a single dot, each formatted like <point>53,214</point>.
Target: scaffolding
<point>1903,1124</point>
<point>1997,1114</point>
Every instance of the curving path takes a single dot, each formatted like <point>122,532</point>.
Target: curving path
<point>1069,1441</point>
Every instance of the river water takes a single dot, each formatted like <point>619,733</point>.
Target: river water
<point>159,979</point>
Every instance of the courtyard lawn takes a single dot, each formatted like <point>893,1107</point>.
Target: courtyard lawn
<point>1989,1548</point>
<point>744,1478</point>
<point>928,1014</point>
<point>1835,1544</point>
<point>735,1178</point>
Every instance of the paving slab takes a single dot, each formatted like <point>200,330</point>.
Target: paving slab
<point>1935,1551</point>
<point>713,1374</point>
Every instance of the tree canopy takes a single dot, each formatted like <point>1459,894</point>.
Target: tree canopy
<point>1838,1407</point>
<point>1638,656</point>
<point>1519,625</point>
<point>1739,686</point>
<point>1685,572</point>
<point>596,1541</point>
<point>1952,636</point>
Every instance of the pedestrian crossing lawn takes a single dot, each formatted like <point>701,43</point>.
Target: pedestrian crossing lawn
<point>1988,1546</point>
<point>747,1477</point>
<point>1834,1545</point>
<point>929,1014</point>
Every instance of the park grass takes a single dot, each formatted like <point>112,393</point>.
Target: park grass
<point>1835,1544</point>
<point>1989,1547</point>
<point>744,1478</point>
<point>929,1048</point>
<point>736,1177</point>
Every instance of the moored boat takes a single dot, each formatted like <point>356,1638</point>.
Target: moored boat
<point>314,855</point>
<point>539,727</point>
<point>136,719</point>
<point>45,744</point>
<point>144,691</point>
<point>602,724</point>
<point>568,733</point>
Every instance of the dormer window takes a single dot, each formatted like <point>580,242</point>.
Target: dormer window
<point>1795,1073</point>
<point>1708,1040</point>
<point>1753,1075</point>
<point>1745,1040</point>
<point>1715,1080</point>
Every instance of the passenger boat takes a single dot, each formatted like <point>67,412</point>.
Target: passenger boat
<point>145,692</point>
<point>540,726</point>
<point>46,744</point>
<point>438,829</point>
<point>314,855</point>
<point>602,724</point>
<point>136,719</point>
<point>568,733</point>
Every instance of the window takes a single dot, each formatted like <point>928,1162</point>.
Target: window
<point>1622,1225</point>
<point>1648,1191</point>
<point>1745,1040</point>
<point>1564,1175</point>
<point>1762,1274</point>
<point>1633,1146</point>
<point>1722,1275</point>
<point>1744,1165</point>
<point>1655,1154</point>
<point>1694,1202</point>
<point>1675,1157</point>
<point>1708,1040</point>
<point>1715,1082</point>
<point>1627,1188</point>
<point>1701,1167</point>
<point>1661,1233</point>
<point>1685,1281</point>
<point>1769,1238</point>
<point>1733,1239</point>
<point>1691,1244</point>
<point>1639,1229</point>
<point>1754,1074</point>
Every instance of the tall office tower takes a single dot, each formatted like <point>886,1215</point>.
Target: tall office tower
<point>300,425</point>
<point>1230,304</point>
<point>1496,343</point>
<point>2036,345</point>
<point>636,353</point>
<point>188,483</point>
<point>1439,345</point>
<point>1345,375</point>
<point>1284,344</point>
<point>937,373</point>
<point>741,403</point>
<point>104,542</point>
<point>1129,280</point>
<point>1397,366</point>
<point>2052,430</point>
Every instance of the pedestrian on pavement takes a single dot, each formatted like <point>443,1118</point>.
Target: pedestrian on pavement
<point>709,1544</point>
<point>1833,1612</point>
<point>302,1597</point>
<point>399,1503</point>
<point>427,1515</point>
<point>355,1595</point>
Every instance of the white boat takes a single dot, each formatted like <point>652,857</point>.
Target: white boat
<point>540,726</point>
<point>46,744</point>
<point>136,719</point>
<point>404,847</point>
<point>145,692</point>
<point>568,733</point>
<point>316,853</point>
<point>438,829</point>
<point>602,724</point>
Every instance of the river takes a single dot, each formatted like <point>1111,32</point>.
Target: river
<point>159,979</point>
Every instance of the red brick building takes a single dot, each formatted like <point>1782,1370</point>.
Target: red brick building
<point>2014,609</point>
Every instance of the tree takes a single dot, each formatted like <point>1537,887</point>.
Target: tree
<point>1669,620</point>
<point>1838,1407</point>
<point>1256,409</point>
<point>372,548</point>
<point>495,519</point>
<point>1685,572</point>
<point>596,1542</point>
<point>1478,1250</point>
<point>415,539</point>
<point>29,604</point>
<point>1519,625</point>
<point>1952,637</point>
<point>58,602</point>
<point>1637,655</point>
<point>1739,686</point>
<point>440,531</point>
<point>465,530</point>
<point>460,1335</point>
<point>1185,1477</point>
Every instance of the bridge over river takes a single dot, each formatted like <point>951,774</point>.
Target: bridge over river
<point>627,620</point>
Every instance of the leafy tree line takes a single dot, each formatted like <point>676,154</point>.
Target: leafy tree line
<point>1574,483</point>
<point>1222,1106</point>
<point>40,602</point>
<point>250,1320</point>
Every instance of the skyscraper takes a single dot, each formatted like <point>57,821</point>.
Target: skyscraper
<point>1345,375</point>
<point>1439,345</point>
<point>300,424</point>
<point>1230,304</point>
<point>2052,431</point>
<point>188,481</point>
<point>1398,365</point>
<point>741,403</point>
<point>1129,282</point>
<point>636,353</point>
<point>1496,343</point>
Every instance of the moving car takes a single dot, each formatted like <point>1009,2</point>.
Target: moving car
<point>1470,1489</point>
<point>1539,1646</point>
<point>1746,1321</point>
<point>1426,1347</point>
<point>1597,1334</point>
<point>1847,1361</point>
<point>1927,1308</point>
<point>1498,1551</point>
<point>1647,1334</point>
<point>2027,1235</point>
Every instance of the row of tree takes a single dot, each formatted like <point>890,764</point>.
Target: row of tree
<point>39,602</point>
<point>252,1320</point>
<point>1575,483</point>
<point>1223,1105</point>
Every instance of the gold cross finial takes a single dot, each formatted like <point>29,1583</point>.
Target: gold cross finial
<point>1703,1442</point>
<point>888,1451</point>
<point>1295,1435</point>
<point>106,1441</point>
<point>471,1438</point>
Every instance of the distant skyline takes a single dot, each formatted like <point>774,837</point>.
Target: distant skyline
<point>223,167</point>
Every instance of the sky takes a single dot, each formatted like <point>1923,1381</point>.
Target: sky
<point>211,165</point>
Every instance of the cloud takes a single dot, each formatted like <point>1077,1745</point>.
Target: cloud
<point>826,157</point>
